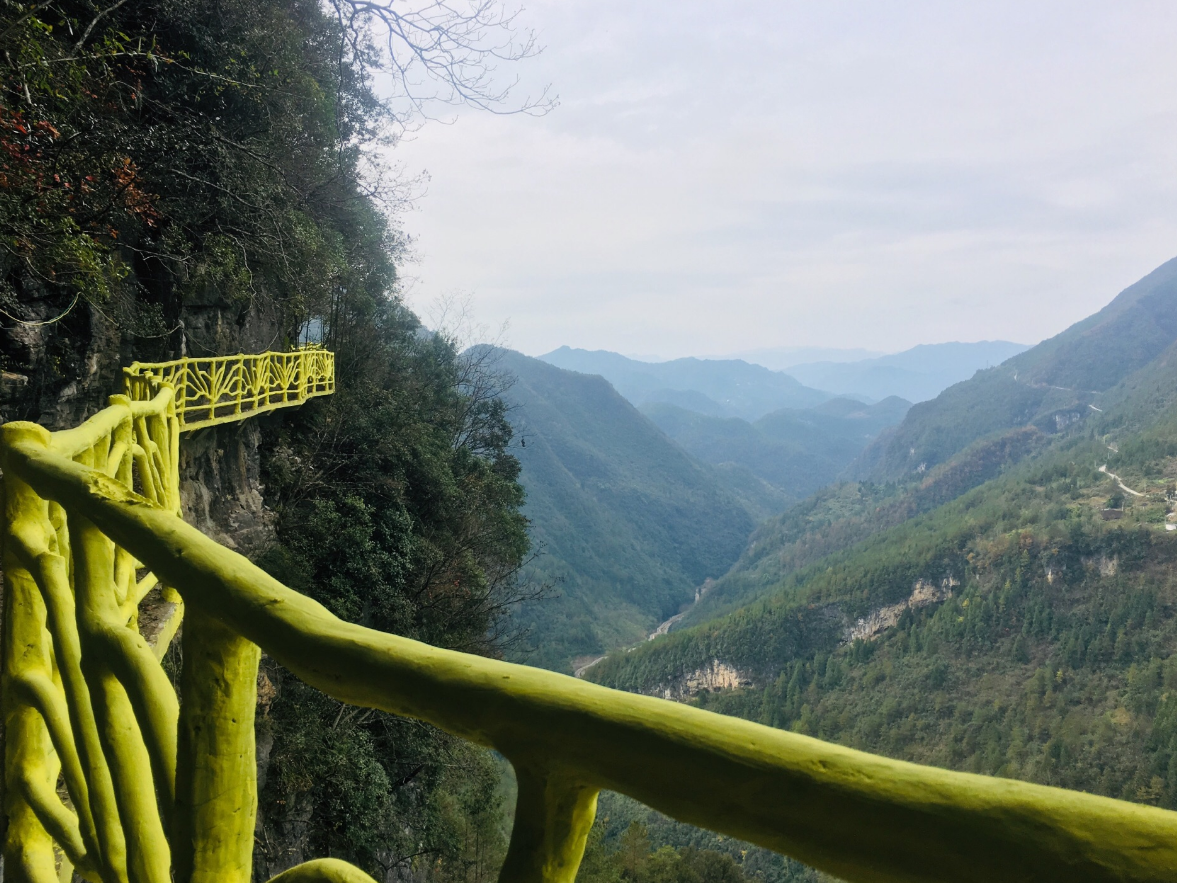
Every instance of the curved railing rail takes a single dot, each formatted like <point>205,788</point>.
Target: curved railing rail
<point>156,790</point>
<point>224,389</point>
<point>82,691</point>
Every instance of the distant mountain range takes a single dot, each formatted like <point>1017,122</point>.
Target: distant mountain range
<point>1061,382</point>
<point>782,358</point>
<point>717,387</point>
<point>995,596</point>
<point>917,374</point>
<point>633,512</point>
<point>993,592</point>
<point>738,388</point>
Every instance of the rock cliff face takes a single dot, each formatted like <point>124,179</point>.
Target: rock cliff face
<point>712,678</point>
<point>220,486</point>
<point>923,594</point>
<point>60,362</point>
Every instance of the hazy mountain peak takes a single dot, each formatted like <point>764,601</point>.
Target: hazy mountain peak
<point>1052,386</point>
<point>916,374</point>
<point>739,388</point>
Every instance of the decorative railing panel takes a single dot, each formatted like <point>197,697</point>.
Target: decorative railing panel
<point>225,389</point>
<point>108,772</point>
<point>90,717</point>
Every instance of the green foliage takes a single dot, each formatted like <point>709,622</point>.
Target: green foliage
<point>201,173</point>
<point>629,858</point>
<point>841,516</point>
<point>809,608</point>
<point>204,145</point>
<point>627,523</point>
<point>794,451</point>
<point>347,782</point>
<point>398,508</point>
<point>182,178</point>
<point>629,841</point>
<point>1005,629</point>
<point>1053,680</point>
<point>204,165</point>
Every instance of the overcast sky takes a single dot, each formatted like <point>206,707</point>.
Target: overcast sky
<point>722,177</point>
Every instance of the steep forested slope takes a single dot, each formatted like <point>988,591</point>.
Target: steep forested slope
<point>1054,384</point>
<point>627,523</point>
<point>843,515</point>
<point>1008,607</point>
<point>1024,627</point>
<point>795,451</point>
<point>201,178</point>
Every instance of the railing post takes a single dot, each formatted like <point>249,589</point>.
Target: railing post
<point>553,815</point>
<point>121,731</point>
<point>28,754</point>
<point>216,774</point>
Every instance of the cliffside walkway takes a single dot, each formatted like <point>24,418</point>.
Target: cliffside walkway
<point>110,773</point>
<point>224,389</point>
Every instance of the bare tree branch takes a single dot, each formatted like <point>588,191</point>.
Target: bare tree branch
<point>445,51</point>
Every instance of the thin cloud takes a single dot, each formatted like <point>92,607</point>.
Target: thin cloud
<point>839,174</point>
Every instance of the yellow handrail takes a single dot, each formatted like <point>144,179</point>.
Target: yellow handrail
<point>124,748</point>
<point>224,389</point>
<point>82,691</point>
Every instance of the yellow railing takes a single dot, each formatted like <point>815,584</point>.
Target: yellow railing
<point>107,772</point>
<point>224,389</point>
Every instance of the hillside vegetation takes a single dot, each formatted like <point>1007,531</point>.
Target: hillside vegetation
<point>1059,382</point>
<point>843,515</point>
<point>794,451</point>
<point>1011,611</point>
<point>627,524</point>
<point>202,177</point>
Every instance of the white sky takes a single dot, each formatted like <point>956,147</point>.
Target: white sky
<point>727,176</point>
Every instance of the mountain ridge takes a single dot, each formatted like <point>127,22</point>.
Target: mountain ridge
<point>794,450</point>
<point>1055,384</point>
<point>628,522</point>
<point>916,374</point>
<point>741,388</point>
<point>1008,611</point>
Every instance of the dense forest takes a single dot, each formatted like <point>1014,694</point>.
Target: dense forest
<point>198,178</point>
<point>625,523</point>
<point>1009,611</point>
<point>634,508</point>
<point>794,451</point>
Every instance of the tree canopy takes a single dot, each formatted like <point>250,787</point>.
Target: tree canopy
<point>190,177</point>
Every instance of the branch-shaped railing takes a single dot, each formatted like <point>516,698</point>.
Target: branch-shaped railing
<point>106,772</point>
<point>225,389</point>
<point>84,697</point>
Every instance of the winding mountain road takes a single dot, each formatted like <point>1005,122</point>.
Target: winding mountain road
<point>1123,487</point>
